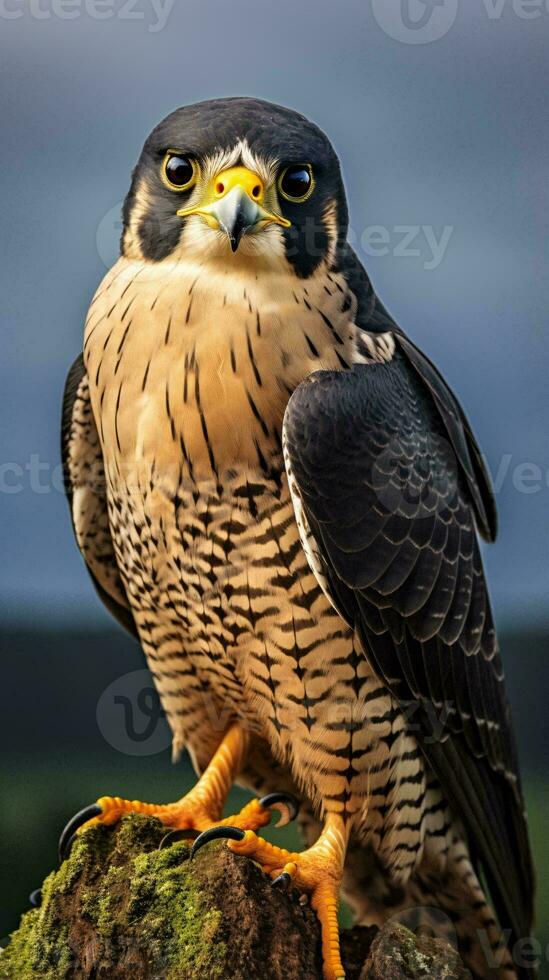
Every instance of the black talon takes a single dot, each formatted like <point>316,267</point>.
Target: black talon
<point>285,803</point>
<point>35,898</point>
<point>283,882</point>
<point>216,833</point>
<point>176,835</point>
<point>67,836</point>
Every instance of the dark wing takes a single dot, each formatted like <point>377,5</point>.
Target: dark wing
<point>461,436</point>
<point>84,480</point>
<point>372,316</point>
<point>392,537</point>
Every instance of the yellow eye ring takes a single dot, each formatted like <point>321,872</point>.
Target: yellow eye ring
<point>294,177</point>
<point>176,167</point>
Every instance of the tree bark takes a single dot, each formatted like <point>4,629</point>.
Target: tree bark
<point>122,907</point>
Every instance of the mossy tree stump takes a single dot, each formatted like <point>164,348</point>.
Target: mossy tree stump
<point>121,907</point>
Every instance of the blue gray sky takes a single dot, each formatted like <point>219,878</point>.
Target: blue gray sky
<point>439,114</point>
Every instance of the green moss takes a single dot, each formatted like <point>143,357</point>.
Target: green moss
<point>412,957</point>
<point>99,909</point>
<point>39,948</point>
<point>120,893</point>
<point>173,921</point>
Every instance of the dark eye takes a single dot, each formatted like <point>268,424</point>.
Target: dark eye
<point>178,172</point>
<point>296,182</point>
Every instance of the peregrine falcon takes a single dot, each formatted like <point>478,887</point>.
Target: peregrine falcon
<point>275,490</point>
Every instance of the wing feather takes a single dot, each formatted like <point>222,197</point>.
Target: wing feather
<point>84,481</point>
<point>388,484</point>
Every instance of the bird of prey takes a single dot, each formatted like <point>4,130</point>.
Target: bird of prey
<point>275,490</point>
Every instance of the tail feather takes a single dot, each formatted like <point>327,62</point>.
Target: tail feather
<point>452,906</point>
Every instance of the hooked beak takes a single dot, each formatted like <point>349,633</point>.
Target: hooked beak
<point>234,205</point>
<point>236,213</point>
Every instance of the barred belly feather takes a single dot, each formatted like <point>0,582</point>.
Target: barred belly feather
<point>189,399</point>
<point>189,375</point>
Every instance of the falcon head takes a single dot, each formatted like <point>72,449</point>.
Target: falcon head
<point>236,178</point>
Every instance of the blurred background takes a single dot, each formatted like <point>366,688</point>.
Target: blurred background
<point>438,109</point>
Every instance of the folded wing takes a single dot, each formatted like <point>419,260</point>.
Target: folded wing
<point>387,483</point>
<point>84,480</point>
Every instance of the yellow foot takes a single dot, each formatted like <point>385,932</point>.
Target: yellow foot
<point>193,813</point>
<point>201,808</point>
<point>316,872</point>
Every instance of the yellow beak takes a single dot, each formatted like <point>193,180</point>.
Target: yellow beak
<point>233,203</point>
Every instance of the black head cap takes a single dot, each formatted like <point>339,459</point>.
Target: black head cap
<point>273,133</point>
